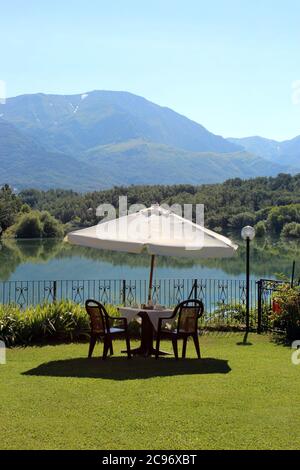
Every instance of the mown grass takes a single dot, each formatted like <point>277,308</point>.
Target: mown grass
<point>236,397</point>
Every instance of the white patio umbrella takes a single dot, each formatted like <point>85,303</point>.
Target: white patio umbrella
<point>157,231</point>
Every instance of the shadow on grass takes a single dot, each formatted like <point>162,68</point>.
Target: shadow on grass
<point>245,341</point>
<point>117,368</point>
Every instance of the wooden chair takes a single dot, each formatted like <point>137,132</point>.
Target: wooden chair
<point>186,315</point>
<point>102,328</point>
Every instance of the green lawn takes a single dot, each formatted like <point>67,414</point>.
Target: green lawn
<point>236,397</point>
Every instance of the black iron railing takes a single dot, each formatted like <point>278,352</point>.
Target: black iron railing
<point>265,292</point>
<point>223,296</point>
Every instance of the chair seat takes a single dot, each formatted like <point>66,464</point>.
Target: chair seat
<point>174,332</point>
<point>117,330</point>
<point>112,331</point>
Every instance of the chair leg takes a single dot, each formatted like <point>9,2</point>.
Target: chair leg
<point>106,347</point>
<point>111,349</point>
<point>175,347</point>
<point>184,347</point>
<point>197,345</point>
<point>128,346</point>
<point>157,345</point>
<point>93,340</point>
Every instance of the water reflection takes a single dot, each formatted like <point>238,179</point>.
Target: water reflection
<point>54,259</point>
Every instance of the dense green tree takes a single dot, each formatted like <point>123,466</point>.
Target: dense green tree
<point>10,205</point>
<point>260,229</point>
<point>291,230</point>
<point>29,226</point>
<point>25,209</point>
<point>52,228</point>
<point>238,221</point>
<point>282,215</point>
<point>36,224</point>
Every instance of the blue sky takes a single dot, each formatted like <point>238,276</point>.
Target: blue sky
<point>227,64</point>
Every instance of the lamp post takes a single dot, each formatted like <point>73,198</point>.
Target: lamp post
<point>248,234</point>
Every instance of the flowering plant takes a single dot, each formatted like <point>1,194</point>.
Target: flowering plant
<point>286,306</point>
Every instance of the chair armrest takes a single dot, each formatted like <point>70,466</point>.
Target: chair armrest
<point>161,320</point>
<point>121,320</point>
<point>170,317</point>
<point>167,318</point>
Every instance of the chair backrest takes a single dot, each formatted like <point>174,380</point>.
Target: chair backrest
<point>99,320</point>
<point>189,312</point>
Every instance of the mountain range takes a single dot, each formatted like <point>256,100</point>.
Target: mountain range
<point>285,153</point>
<point>100,139</point>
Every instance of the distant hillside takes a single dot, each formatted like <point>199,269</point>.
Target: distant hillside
<point>285,153</point>
<point>148,163</point>
<point>24,163</point>
<point>102,138</point>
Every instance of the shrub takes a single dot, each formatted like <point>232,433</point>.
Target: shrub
<point>233,315</point>
<point>286,307</point>
<point>59,321</point>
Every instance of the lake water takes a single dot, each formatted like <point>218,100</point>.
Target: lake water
<point>56,260</point>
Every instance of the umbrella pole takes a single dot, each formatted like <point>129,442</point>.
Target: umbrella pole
<point>151,278</point>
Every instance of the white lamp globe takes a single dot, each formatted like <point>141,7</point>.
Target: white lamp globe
<point>248,232</point>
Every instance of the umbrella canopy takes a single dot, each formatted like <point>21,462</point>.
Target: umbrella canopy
<point>157,231</point>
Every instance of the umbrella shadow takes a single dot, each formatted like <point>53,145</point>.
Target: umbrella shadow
<point>117,368</point>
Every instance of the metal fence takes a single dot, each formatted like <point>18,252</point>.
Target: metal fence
<point>220,296</point>
<point>265,292</point>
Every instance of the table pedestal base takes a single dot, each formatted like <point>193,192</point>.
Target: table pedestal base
<point>147,352</point>
<point>147,332</point>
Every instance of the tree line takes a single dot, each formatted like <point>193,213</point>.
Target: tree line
<point>271,204</point>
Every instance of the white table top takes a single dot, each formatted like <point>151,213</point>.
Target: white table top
<point>154,314</point>
<point>137,310</point>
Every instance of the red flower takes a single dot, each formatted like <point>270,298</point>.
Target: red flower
<point>276,307</point>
